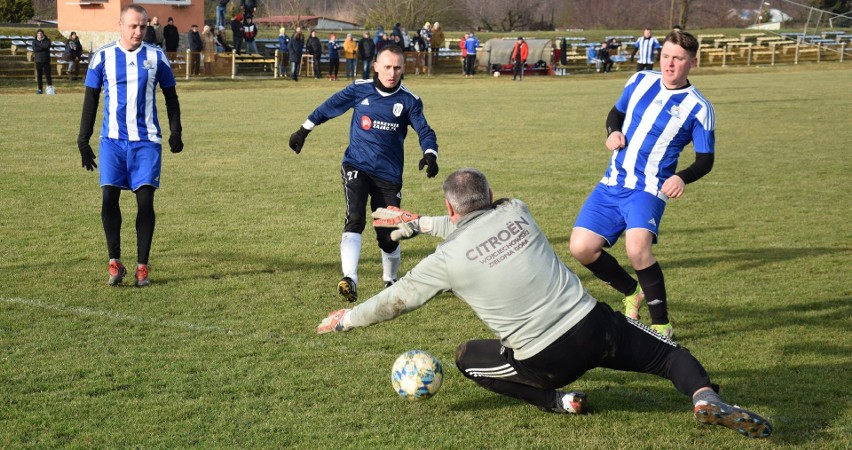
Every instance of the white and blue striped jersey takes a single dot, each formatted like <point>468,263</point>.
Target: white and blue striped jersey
<point>129,80</point>
<point>658,124</point>
<point>646,49</point>
<point>380,122</point>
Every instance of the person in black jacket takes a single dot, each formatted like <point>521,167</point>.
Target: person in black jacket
<point>150,34</point>
<point>171,37</point>
<point>295,47</point>
<point>366,51</point>
<point>237,31</point>
<point>73,53</point>
<point>41,56</point>
<point>315,49</point>
<point>196,46</point>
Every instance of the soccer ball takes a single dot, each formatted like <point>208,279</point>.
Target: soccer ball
<point>416,375</point>
<point>496,74</point>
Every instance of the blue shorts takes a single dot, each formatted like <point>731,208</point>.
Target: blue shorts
<point>130,164</point>
<point>610,210</point>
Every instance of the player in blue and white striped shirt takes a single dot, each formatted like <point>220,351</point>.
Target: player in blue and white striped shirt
<point>645,46</point>
<point>130,145</point>
<point>657,115</point>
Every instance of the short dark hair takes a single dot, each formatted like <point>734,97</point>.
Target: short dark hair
<point>685,40</point>
<point>393,48</point>
<point>136,7</point>
<point>467,190</point>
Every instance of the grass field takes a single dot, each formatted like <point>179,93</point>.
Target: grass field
<point>221,350</point>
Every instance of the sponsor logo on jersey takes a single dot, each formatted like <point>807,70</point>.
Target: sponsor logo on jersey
<point>365,102</point>
<point>366,122</point>
<point>397,109</point>
<point>132,64</point>
<point>652,222</point>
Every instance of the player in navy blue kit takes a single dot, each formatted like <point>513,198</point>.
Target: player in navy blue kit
<point>383,109</point>
<point>657,116</point>
<point>130,145</point>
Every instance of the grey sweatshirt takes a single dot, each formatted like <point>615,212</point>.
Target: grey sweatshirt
<point>499,262</point>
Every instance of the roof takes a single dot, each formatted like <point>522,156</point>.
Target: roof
<point>289,20</point>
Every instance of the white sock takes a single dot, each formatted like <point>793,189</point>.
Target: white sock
<point>350,252</point>
<point>390,265</point>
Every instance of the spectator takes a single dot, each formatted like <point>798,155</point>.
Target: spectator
<point>426,32</point>
<point>366,50</point>
<point>549,331</point>
<point>333,57</point>
<point>437,38</point>
<point>73,53</point>
<point>645,46</point>
<point>397,31</point>
<point>159,37</point>
<point>237,32</point>
<point>249,8</point>
<point>380,31</point>
<point>221,8</point>
<point>130,150</point>
<point>196,47</point>
<point>406,40</point>
<point>519,57</point>
<point>314,46</point>
<point>418,45</point>
<point>646,139</point>
<point>471,44</point>
<point>222,41</point>
<point>150,34</point>
<point>592,57</point>
<point>41,56</point>
<point>297,45</point>
<point>604,57</point>
<point>463,48</point>
<point>171,36</point>
<point>350,52</point>
<point>208,43</point>
<point>383,109</point>
<point>380,42</point>
<point>283,51</point>
<point>250,34</point>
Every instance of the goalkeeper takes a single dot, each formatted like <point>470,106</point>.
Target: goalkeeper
<point>383,109</point>
<point>549,330</point>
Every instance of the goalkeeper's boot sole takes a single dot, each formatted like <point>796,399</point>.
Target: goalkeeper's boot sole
<point>346,287</point>
<point>740,420</point>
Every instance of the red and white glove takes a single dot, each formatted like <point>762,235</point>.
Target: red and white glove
<point>407,224</point>
<point>336,321</point>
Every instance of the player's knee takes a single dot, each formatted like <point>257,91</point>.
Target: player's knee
<point>385,242</point>
<point>355,223</point>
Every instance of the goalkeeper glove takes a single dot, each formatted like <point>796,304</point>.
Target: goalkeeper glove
<point>297,139</point>
<point>336,321</point>
<point>430,161</point>
<point>87,156</point>
<point>407,224</point>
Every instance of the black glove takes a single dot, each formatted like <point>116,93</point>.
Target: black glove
<point>87,156</point>
<point>176,143</point>
<point>431,163</point>
<point>297,139</point>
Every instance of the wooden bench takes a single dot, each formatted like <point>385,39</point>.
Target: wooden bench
<point>724,41</point>
<point>708,37</point>
<point>253,59</point>
<point>751,37</point>
<point>766,39</point>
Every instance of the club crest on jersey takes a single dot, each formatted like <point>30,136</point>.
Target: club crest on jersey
<point>366,123</point>
<point>675,112</point>
<point>397,109</point>
<point>149,64</point>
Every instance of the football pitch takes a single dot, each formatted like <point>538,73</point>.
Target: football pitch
<point>220,352</point>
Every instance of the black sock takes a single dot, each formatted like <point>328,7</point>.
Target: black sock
<point>606,268</point>
<point>145,219</point>
<point>111,220</point>
<point>654,288</point>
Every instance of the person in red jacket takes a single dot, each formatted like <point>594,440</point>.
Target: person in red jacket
<point>519,58</point>
<point>463,50</point>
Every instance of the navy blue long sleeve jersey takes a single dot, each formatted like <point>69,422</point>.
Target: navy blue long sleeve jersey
<point>380,123</point>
